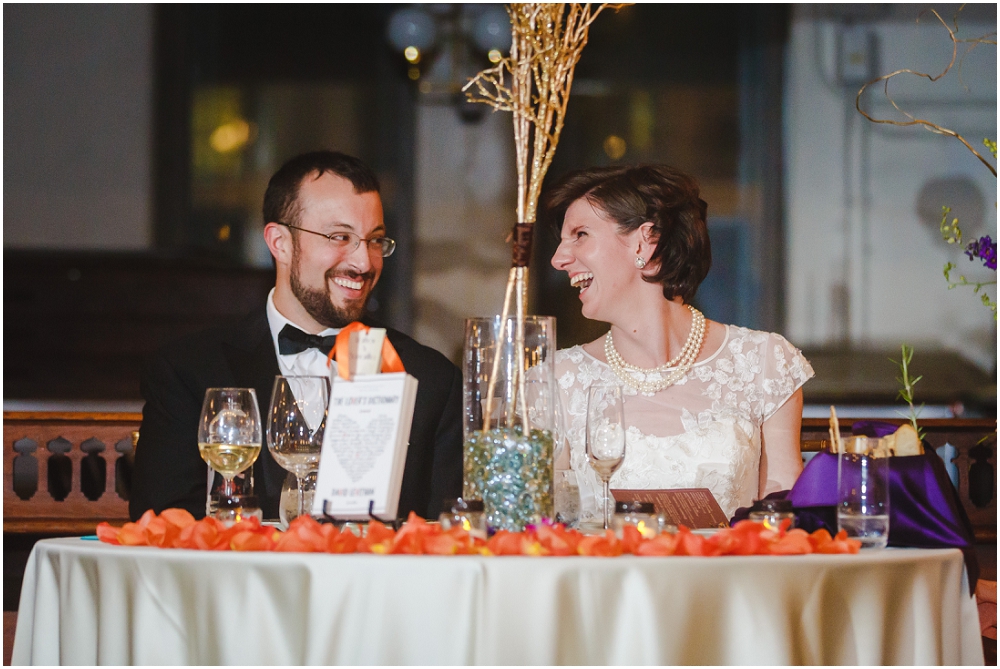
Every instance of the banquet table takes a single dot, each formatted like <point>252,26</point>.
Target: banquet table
<point>83,602</point>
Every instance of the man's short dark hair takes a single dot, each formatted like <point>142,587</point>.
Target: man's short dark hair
<point>281,197</point>
<point>636,194</point>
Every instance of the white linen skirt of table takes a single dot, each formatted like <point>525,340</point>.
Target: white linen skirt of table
<point>88,603</point>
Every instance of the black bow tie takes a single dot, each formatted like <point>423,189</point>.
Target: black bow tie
<point>292,340</point>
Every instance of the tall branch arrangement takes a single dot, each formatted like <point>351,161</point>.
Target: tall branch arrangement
<point>929,125</point>
<point>533,83</point>
<point>984,248</point>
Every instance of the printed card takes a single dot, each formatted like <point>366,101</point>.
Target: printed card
<point>364,445</point>
<point>695,508</point>
<point>365,352</point>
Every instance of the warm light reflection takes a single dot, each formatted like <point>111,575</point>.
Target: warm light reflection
<point>413,73</point>
<point>223,233</point>
<point>614,147</point>
<point>494,55</point>
<point>412,54</point>
<point>230,136</point>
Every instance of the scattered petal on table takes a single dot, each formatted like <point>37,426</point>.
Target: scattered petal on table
<point>176,528</point>
<point>793,542</point>
<point>107,533</point>
<point>556,540</point>
<point>378,539</point>
<point>600,545</point>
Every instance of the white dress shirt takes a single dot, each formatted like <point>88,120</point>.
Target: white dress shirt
<point>311,362</point>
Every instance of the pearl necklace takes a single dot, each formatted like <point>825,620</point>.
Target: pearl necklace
<point>682,363</point>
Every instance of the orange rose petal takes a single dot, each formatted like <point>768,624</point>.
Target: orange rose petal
<point>795,542</point>
<point>378,539</point>
<point>841,544</point>
<point>339,541</point>
<point>131,534</point>
<point>744,538</point>
<point>411,537</point>
<point>529,544</point>
<point>505,543</point>
<point>605,545</point>
<point>250,541</point>
<point>378,532</point>
<point>156,529</point>
<point>696,544</point>
<point>555,540</point>
<point>145,518</point>
<point>820,539</point>
<point>631,539</point>
<point>178,517</point>
<point>107,534</point>
<point>345,542</point>
<point>293,542</point>
<point>660,545</point>
<point>203,535</point>
<point>441,544</point>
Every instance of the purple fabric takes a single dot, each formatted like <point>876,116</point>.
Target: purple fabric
<point>924,509</point>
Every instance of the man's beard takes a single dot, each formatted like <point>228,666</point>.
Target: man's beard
<point>318,303</point>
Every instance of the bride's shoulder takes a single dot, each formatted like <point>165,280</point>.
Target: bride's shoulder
<point>585,353</point>
<point>572,355</point>
<point>760,338</point>
<point>770,346</point>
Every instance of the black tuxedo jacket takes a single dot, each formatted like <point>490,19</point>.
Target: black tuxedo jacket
<point>169,471</point>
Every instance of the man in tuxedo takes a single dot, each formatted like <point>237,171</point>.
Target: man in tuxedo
<point>324,228</point>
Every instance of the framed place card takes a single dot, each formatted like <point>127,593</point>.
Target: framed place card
<point>364,445</point>
<point>695,508</point>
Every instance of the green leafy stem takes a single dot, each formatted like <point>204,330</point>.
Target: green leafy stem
<point>951,232</point>
<point>907,383</point>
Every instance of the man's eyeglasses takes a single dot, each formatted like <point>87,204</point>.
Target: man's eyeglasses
<point>349,241</point>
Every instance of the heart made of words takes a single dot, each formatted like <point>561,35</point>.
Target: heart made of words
<point>359,446</point>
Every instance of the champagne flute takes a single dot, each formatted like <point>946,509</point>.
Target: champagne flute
<point>605,436</point>
<point>229,436</point>
<point>295,425</point>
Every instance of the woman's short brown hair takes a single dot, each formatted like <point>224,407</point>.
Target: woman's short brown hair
<point>637,194</point>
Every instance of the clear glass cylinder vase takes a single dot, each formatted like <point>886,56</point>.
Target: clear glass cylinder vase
<point>510,418</point>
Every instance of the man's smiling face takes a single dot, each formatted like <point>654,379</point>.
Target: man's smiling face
<point>333,284</point>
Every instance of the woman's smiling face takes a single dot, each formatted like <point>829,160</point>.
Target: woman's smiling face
<point>598,260</point>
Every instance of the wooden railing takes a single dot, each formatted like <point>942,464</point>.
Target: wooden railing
<point>66,472</point>
<point>63,473</point>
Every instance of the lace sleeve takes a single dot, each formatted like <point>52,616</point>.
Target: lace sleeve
<point>785,370</point>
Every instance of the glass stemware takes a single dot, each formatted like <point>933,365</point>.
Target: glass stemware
<point>229,434</point>
<point>295,425</point>
<point>605,436</point>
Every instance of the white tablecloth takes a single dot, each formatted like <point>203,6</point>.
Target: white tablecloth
<point>88,603</point>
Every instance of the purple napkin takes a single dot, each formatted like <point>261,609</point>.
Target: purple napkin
<point>924,509</point>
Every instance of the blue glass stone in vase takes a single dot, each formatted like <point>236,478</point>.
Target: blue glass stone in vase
<point>510,418</point>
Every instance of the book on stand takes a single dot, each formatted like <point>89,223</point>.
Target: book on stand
<point>364,446</point>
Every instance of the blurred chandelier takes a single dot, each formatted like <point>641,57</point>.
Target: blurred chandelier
<point>444,45</point>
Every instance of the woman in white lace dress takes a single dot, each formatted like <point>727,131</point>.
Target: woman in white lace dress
<point>707,405</point>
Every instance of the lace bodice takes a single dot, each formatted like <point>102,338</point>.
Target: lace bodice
<point>702,432</point>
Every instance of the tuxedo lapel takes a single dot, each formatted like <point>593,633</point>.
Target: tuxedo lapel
<point>254,364</point>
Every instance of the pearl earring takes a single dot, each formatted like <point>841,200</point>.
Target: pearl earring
<point>640,262</point>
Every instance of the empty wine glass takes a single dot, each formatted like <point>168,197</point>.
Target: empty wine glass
<point>605,436</point>
<point>295,425</point>
<point>229,436</point>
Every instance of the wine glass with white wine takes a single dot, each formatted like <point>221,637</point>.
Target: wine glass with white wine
<point>605,436</point>
<point>295,426</point>
<point>229,434</point>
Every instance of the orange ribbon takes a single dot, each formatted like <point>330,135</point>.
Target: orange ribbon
<point>341,347</point>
